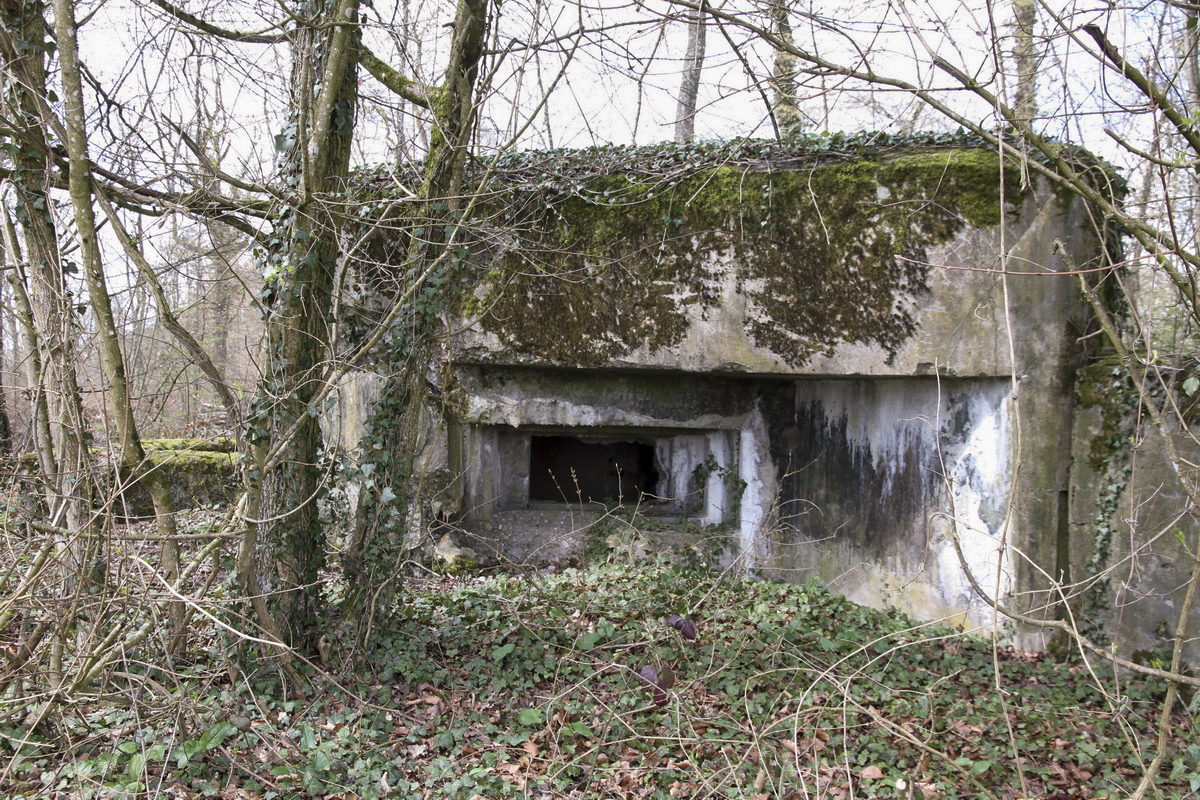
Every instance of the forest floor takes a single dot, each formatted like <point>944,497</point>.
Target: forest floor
<point>621,679</point>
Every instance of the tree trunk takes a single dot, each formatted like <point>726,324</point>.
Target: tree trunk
<point>71,489</point>
<point>6,428</point>
<point>284,545</point>
<point>1025,53</point>
<point>132,456</point>
<point>372,564</point>
<point>785,111</point>
<point>689,86</point>
<point>35,378</point>
<point>454,112</point>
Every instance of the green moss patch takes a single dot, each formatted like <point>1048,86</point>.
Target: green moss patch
<point>197,477</point>
<point>826,253</point>
<point>221,445</point>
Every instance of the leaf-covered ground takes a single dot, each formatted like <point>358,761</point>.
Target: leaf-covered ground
<point>582,684</point>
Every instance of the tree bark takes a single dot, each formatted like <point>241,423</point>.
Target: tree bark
<point>71,488</point>
<point>689,86</point>
<point>135,466</point>
<point>372,555</point>
<point>284,545</point>
<point>35,378</point>
<point>1026,56</point>
<point>784,109</point>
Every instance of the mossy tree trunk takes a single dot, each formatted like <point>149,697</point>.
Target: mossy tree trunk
<point>454,112</point>
<point>284,546</point>
<point>63,457</point>
<point>394,529</point>
<point>130,452</point>
<point>785,110</point>
<point>62,441</point>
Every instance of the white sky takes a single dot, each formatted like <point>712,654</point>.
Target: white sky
<point>620,83</point>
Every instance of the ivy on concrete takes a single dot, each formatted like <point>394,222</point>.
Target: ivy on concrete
<point>1108,387</point>
<point>580,257</point>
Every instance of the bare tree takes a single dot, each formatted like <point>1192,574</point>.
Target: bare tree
<point>131,453</point>
<point>65,465</point>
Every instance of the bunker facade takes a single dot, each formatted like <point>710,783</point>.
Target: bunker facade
<point>855,369</point>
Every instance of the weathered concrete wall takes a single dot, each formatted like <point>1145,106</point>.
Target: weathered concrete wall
<point>824,362</point>
<point>200,472</point>
<point>882,470</point>
<point>842,270</point>
<point>1132,528</point>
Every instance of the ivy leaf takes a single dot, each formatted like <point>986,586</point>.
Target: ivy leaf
<point>658,681</point>
<point>307,739</point>
<point>286,138</point>
<point>215,735</point>
<point>686,628</point>
<point>530,716</point>
<point>1191,385</point>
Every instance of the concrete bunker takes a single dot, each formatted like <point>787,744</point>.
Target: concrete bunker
<point>813,356</point>
<point>550,459</point>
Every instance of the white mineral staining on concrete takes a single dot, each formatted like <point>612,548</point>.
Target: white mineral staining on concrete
<point>756,471</point>
<point>895,427</point>
<point>885,424</point>
<point>716,494</point>
<point>980,476</point>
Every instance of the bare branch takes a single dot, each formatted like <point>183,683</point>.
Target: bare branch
<point>416,93</point>
<point>1146,87</point>
<point>250,37</point>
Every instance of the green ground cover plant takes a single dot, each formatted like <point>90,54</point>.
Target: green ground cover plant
<point>630,680</point>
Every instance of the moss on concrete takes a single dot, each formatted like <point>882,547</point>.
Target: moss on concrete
<point>197,477</point>
<point>192,461</point>
<point>221,445</point>
<point>827,254</point>
<point>1105,385</point>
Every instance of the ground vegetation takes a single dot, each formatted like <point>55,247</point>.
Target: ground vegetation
<point>159,155</point>
<point>613,677</point>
